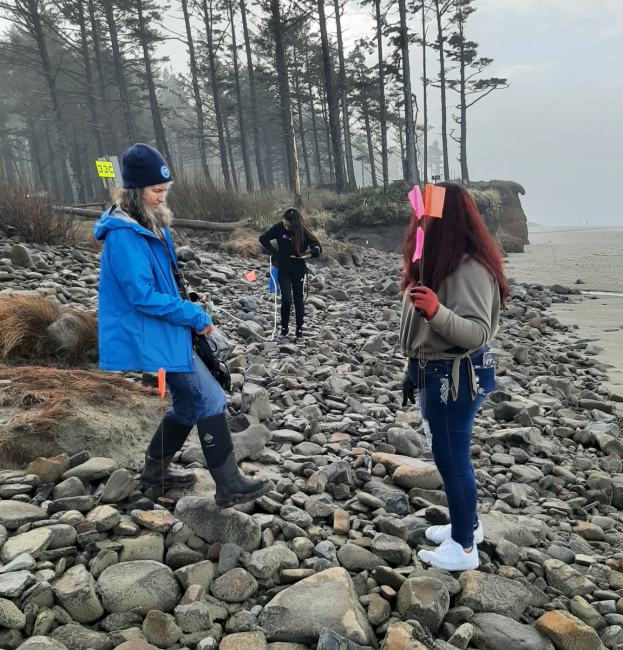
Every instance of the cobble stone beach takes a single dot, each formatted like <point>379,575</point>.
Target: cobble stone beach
<point>330,553</point>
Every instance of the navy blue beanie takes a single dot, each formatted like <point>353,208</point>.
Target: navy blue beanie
<point>142,166</point>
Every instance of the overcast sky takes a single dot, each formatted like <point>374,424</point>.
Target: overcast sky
<point>558,129</point>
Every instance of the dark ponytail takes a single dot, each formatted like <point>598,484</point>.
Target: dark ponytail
<point>300,230</point>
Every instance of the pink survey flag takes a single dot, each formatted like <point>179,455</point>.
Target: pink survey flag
<point>415,198</point>
<point>419,245</point>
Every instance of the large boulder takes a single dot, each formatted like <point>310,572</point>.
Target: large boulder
<point>141,586</point>
<point>326,599</point>
<point>497,632</point>
<point>356,558</point>
<point>49,470</point>
<point>424,599</point>
<point>255,401</point>
<point>518,529</point>
<point>72,334</point>
<point>215,524</point>
<point>249,444</point>
<point>484,592</point>
<point>400,637</point>
<point>568,632</point>
<point>42,643</point>
<point>10,616</point>
<point>14,514</point>
<point>34,542</point>
<point>409,472</point>
<point>76,592</point>
<point>20,256</point>
<point>76,637</point>
<point>566,579</point>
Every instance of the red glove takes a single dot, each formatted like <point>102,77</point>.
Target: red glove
<point>425,300</point>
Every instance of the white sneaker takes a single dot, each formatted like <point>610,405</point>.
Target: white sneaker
<point>451,557</point>
<point>439,534</point>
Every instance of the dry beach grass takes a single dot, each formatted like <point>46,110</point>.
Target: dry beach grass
<point>24,322</point>
<point>37,398</point>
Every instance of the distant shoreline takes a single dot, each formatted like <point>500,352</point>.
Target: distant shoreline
<point>553,229</point>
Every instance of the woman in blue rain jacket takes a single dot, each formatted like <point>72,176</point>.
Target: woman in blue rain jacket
<point>144,324</point>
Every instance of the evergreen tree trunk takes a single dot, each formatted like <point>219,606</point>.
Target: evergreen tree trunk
<point>230,153</point>
<point>296,180</point>
<point>254,118</point>
<point>334,113</point>
<point>180,156</point>
<point>89,80</point>
<point>411,168</point>
<point>111,133</point>
<point>327,132</point>
<point>383,108</point>
<point>352,182</point>
<point>77,165</point>
<point>425,84</point>
<point>121,85</point>
<point>207,15</point>
<point>318,177</point>
<point>34,20</point>
<point>284,162</point>
<point>284,89</point>
<point>248,172</point>
<point>401,141</point>
<point>300,118</point>
<point>156,117</point>
<point>51,167</point>
<point>268,156</point>
<point>7,148</point>
<point>36,150</point>
<point>203,156</point>
<point>87,167</point>
<point>366,120</point>
<point>442,83</point>
<point>463,109</point>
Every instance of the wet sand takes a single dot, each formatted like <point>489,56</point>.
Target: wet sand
<point>562,256</point>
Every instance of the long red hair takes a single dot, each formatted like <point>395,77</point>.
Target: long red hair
<point>448,240</point>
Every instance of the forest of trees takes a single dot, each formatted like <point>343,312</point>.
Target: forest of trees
<point>270,98</point>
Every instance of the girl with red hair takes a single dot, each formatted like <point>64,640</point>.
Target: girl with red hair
<point>451,305</point>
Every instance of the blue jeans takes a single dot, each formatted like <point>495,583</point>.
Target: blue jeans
<point>448,426</point>
<point>195,395</point>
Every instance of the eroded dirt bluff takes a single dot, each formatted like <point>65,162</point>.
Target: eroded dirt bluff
<point>507,222</point>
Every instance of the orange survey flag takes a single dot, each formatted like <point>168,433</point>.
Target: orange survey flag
<point>434,198</point>
<point>161,384</point>
<point>251,276</point>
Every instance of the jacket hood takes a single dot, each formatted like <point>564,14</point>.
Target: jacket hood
<point>115,218</point>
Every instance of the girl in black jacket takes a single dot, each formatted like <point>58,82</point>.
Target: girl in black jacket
<point>293,238</point>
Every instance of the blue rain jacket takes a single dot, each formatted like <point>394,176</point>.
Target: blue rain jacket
<point>143,322</point>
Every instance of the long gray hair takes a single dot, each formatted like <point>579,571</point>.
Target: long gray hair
<point>131,201</point>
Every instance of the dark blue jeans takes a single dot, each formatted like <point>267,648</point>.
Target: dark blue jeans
<point>195,395</point>
<point>448,426</point>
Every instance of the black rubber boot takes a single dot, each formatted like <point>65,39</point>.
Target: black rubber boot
<point>158,472</point>
<point>232,486</point>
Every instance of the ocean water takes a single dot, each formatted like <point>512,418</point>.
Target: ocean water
<point>564,255</point>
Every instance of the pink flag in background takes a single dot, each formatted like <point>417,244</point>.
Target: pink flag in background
<point>419,245</point>
<point>415,198</point>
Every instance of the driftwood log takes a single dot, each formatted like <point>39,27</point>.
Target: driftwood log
<point>83,213</point>
<point>210,225</point>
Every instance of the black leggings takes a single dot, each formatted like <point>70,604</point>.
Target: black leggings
<point>292,282</point>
